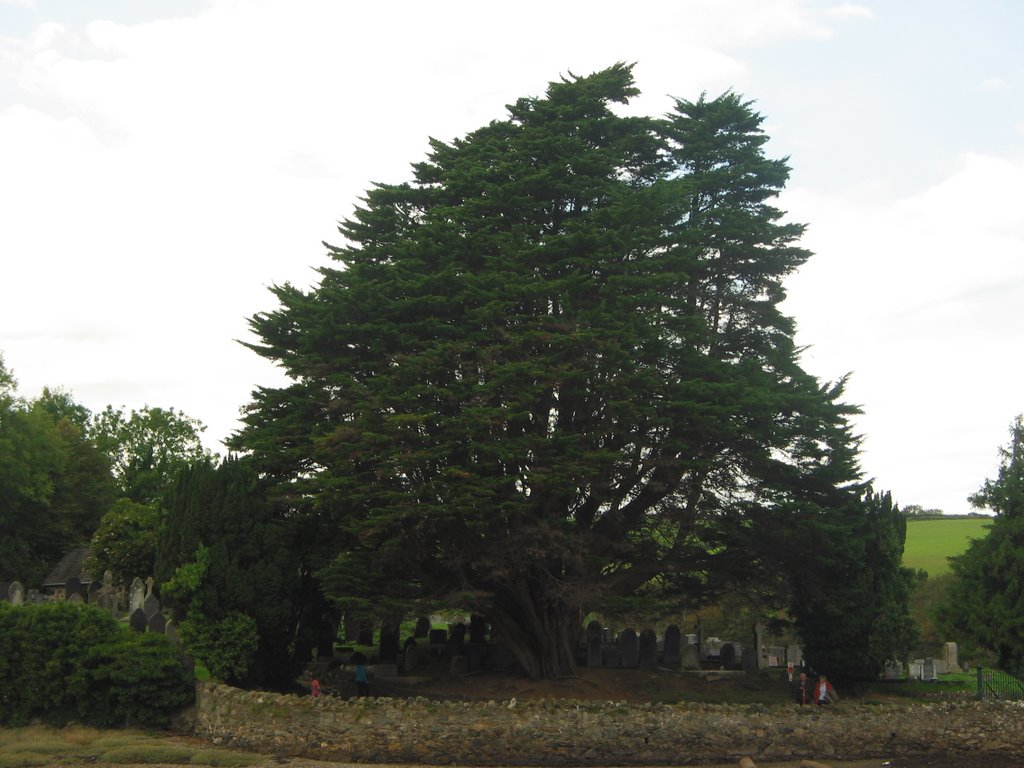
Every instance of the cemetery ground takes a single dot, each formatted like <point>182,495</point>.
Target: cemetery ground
<point>41,747</point>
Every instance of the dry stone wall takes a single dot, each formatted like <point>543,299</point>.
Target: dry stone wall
<point>572,733</point>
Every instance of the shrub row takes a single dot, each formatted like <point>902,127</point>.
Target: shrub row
<point>62,662</point>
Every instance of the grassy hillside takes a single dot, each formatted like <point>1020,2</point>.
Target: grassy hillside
<point>931,541</point>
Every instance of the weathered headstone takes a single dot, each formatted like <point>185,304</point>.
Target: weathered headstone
<point>157,623</point>
<point>171,633</point>
<point>727,656</point>
<point>137,594</point>
<point>151,605</point>
<point>672,653</point>
<point>952,653</point>
<point>630,648</point>
<point>749,660</point>
<point>611,657</point>
<point>16,593</point>
<point>438,637</point>
<point>458,665</point>
<point>76,598</point>
<point>594,644</point>
<point>412,657</point>
<point>690,657</point>
<point>92,594</point>
<point>422,627</point>
<point>387,650</point>
<point>138,620</point>
<point>928,670</point>
<point>648,648</point>
<point>364,636</point>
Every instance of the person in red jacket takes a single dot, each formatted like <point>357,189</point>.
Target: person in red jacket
<point>824,693</point>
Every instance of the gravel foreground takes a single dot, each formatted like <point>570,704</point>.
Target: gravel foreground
<point>973,760</point>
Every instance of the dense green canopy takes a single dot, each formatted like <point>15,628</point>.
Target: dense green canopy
<point>552,369</point>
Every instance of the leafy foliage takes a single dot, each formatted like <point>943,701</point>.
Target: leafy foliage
<point>62,662</point>
<point>986,598</point>
<point>225,554</point>
<point>147,447</point>
<point>125,542</point>
<point>552,371</point>
<point>55,484</point>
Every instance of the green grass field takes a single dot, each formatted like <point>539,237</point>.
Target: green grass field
<point>930,542</point>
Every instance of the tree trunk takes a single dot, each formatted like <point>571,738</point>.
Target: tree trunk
<point>540,632</point>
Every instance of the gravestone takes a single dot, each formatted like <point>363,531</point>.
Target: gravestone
<point>16,593</point>
<point>157,623</point>
<point>73,586</point>
<point>648,649</point>
<point>76,598</point>
<point>458,665</point>
<point>171,633</point>
<point>607,635</point>
<point>387,650</point>
<point>151,605</point>
<point>138,620</point>
<point>594,644</point>
<point>690,657</point>
<point>412,657</point>
<point>477,629</point>
<point>952,653</point>
<point>422,627</point>
<point>137,594</point>
<point>438,637</point>
<point>749,661</point>
<point>611,657</point>
<point>928,670</point>
<point>364,637</point>
<point>92,594</point>
<point>630,649</point>
<point>672,654</point>
<point>727,656</point>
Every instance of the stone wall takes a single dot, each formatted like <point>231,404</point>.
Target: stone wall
<point>546,732</point>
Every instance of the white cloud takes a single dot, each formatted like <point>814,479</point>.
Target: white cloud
<point>158,176</point>
<point>994,84</point>
<point>920,299</point>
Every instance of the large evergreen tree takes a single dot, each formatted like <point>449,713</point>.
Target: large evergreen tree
<point>986,598</point>
<point>552,369</point>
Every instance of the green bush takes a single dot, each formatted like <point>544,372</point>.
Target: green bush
<point>61,662</point>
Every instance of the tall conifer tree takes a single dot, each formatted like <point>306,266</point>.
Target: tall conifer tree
<point>552,369</point>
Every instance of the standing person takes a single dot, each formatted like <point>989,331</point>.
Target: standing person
<point>824,693</point>
<point>804,690</point>
<point>362,685</point>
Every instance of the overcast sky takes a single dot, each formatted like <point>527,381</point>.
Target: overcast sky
<point>162,163</point>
